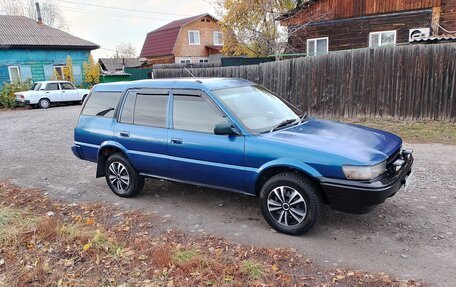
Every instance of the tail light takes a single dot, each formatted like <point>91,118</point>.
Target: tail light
<point>20,96</point>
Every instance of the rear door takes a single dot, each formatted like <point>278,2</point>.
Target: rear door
<point>53,92</point>
<point>197,155</point>
<point>142,130</point>
<point>69,92</point>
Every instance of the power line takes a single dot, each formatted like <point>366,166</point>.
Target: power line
<point>91,12</point>
<point>123,9</point>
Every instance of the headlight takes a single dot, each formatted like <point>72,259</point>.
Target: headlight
<point>364,172</point>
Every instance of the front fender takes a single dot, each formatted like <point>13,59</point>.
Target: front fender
<point>290,163</point>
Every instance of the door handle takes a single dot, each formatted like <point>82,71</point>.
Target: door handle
<point>177,141</point>
<point>125,134</point>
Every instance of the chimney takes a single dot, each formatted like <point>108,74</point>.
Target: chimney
<point>38,12</point>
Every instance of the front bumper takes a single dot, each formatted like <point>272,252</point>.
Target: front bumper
<point>363,196</point>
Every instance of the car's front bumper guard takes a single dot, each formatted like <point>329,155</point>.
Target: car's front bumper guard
<point>363,196</point>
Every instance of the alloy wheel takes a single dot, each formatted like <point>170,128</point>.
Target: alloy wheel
<point>287,206</point>
<point>119,176</point>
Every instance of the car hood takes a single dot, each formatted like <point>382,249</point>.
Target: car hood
<point>363,145</point>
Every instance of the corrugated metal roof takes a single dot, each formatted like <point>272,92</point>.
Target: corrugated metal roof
<point>116,64</point>
<point>20,31</point>
<point>439,38</point>
<point>160,42</point>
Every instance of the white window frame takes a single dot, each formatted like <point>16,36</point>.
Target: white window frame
<point>221,37</point>
<point>315,45</point>
<point>380,37</point>
<point>203,59</point>
<point>61,69</point>
<point>18,72</point>
<point>199,37</point>
<point>185,60</point>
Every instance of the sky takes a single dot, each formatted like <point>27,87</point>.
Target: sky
<point>109,27</point>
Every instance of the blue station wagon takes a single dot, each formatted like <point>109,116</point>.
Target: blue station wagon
<point>234,135</point>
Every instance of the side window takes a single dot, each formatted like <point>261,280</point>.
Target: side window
<point>193,113</point>
<point>67,86</point>
<point>101,104</point>
<point>150,110</point>
<point>52,87</point>
<point>128,109</point>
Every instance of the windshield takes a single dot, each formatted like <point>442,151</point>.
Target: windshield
<point>35,87</point>
<point>257,108</point>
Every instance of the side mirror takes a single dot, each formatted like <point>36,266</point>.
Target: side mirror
<point>225,129</point>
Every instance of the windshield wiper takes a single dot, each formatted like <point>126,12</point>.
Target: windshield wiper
<point>283,124</point>
<point>303,118</point>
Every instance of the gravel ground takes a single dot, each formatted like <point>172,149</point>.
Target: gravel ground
<point>412,235</point>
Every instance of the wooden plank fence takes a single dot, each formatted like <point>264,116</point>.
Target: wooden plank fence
<point>409,82</point>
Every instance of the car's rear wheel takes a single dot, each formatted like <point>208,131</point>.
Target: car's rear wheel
<point>121,177</point>
<point>290,203</point>
<point>44,103</point>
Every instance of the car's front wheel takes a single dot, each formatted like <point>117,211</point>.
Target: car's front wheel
<point>290,203</point>
<point>121,177</point>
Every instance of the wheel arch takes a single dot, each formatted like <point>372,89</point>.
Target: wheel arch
<point>272,169</point>
<point>106,150</point>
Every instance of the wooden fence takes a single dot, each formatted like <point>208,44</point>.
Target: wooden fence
<point>408,82</point>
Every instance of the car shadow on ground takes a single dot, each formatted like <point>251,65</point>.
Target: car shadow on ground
<point>229,207</point>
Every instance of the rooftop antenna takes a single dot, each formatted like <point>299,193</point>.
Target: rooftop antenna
<point>185,68</point>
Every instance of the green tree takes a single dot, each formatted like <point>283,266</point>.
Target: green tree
<point>7,97</point>
<point>250,27</point>
<point>68,70</point>
<point>91,71</point>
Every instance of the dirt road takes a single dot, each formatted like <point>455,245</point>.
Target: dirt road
<point>412,235</point>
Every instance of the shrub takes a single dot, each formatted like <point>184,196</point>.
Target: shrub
<point>7,98</point>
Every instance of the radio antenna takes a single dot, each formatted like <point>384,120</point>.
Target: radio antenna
<point>189,72</point>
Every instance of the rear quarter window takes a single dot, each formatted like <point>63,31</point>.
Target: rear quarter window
<point>101,104</point>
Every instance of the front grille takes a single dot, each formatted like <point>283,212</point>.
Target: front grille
<point>390,168</point>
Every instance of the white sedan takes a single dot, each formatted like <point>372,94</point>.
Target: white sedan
<point>43,94</point>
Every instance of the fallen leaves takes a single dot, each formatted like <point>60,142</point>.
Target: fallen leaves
<point>93,244</point>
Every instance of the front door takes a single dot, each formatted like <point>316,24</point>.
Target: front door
<point>142,130</point>
<point>53,92</point>
<point>197,155</point>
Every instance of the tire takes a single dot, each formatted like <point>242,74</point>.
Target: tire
<point>291,203</point>
<point>44,103</point>
<point>121,177</point>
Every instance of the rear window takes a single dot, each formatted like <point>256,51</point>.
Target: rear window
<point>150,110</point>
<point>101,104</point>
<point>52,87</point>
<point>35,87</point>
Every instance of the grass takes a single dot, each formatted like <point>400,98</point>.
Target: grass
<point>253,269</point>
<point>185,256</point>
<point>413,131</point>
<point>84,245</point>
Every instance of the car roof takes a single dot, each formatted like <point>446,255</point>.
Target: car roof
<point>178,83</point>
<point>48,82</point>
